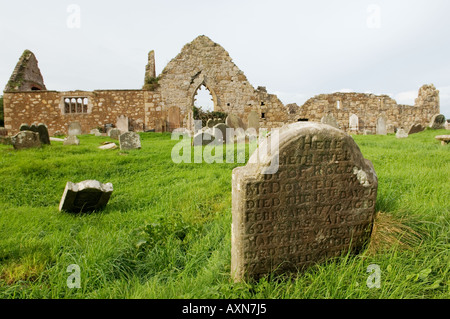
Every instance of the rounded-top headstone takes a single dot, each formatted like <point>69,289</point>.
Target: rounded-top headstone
<point>307,200</point>
<point>114,133</point>
<point>234,121</point>
<point>129,141</point>
<point>25,139</point>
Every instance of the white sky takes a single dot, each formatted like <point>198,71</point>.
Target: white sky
<point>297,49</point>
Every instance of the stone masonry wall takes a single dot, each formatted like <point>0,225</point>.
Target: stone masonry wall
<point>48,107</point>
<point>203,62</point>
<point>368,108</point>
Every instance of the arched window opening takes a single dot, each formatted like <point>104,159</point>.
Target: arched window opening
<point>203,99</point>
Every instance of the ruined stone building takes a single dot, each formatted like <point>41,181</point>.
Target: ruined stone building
<point>166,101</point>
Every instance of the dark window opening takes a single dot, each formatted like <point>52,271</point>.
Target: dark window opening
<point>262,104</point>
<point>302,120</point>
<point>263,115</point>
<point>228,104</point>
<point>35,89</point>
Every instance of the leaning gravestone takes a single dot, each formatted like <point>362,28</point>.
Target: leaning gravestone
<point>330,120</point>
<point>415,128</point>
<point>129,141</point>
<point>203,138</point>
<point>222,136</point>
<point>85,196</point>
<point>319,204</point>
<point>74,129</point>
<point>25,139</point>
<point>114,133</point>
<point>437,122</point>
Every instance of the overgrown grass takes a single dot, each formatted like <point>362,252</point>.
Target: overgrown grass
<point>166,231</point>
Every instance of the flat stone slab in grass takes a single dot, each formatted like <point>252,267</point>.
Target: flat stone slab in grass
<point>445,139</point>
<point>56,139</point>
<point>129,141</point>
<point>25,139</point>
<point>318,204</point>
<point>71,140</point>
<point>85,196</point>
<point>108,146</point>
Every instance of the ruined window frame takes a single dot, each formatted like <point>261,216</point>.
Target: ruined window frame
<point>75,105</point>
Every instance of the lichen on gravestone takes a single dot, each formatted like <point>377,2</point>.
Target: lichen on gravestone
<point>319,204</point>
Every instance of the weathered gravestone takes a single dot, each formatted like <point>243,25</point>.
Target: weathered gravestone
<point>415,128</point>
<point>353,123</point>
<point>41,129</point>
<point>203,138</point>
<point>129,141</point>
<point>114,133</point>
<point>401,133</point>
<point>318,204</point>
<point>96,132</point>
<point>25,139</point>
<point>234,121</point>
<point>122,123</point>
<point>74,129</point>
<point>71,140</point>
<point>437,122</point>
<point>253,121</point>
<point>220,133</point>
<point>381,126</point>
<point>85,196</point>
<point>330,120</point>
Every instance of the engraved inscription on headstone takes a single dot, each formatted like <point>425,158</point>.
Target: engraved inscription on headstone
<point>319,204</point>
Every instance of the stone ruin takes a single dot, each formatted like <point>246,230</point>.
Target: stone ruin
<point>166,101</point>
<point>319,204</point>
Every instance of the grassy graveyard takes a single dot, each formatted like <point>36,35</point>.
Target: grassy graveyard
<point>166,231</point>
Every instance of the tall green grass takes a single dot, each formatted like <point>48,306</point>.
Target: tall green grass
<point>166,231</point>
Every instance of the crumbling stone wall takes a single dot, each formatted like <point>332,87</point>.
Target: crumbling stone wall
<point>48,107</point>
<point>26,75</point>
<point>368,108</point>
<point>203,62</point>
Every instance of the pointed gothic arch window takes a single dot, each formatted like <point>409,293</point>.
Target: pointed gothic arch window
<point>203,99</point>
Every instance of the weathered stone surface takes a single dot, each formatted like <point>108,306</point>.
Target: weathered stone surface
<point>5,140</point>
<point>318,204</point>
<point>381,126</point>
<point>437,122</point>
<point>415,128</point>
<point>220,133</point>
<point>56,139</point>
<point>445,139</point>
<point>353,122</point>
<point>71,140</point>
<point>329,120</point>
<point>95,132</point>
<point>85,196</point>
<point>202,138</point>
<point>25,139</point>
<point>401,133</point>
<point>122,123</point>
<point>114,133</point>
<point>129,141</point>
<point>108,146</point>
<point>447,125</point>
<point>234,121</point>
<point>253,120</point>
<point>26,75</point>
<point>74,129</point>
<point>41,129</point>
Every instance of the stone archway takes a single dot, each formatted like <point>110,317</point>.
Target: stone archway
<point>193,93</point>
